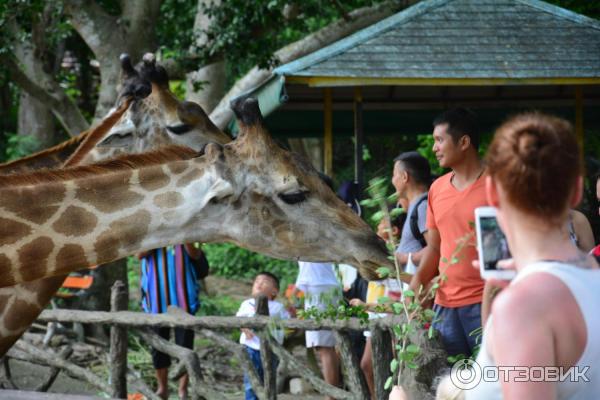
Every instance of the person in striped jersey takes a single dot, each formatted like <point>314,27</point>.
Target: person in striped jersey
<point>170,276</point>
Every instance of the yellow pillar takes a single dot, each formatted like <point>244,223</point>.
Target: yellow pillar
<point>328,132</point>
<point>579,114</point>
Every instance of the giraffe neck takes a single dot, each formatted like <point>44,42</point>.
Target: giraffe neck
<point>91,215</point>
<point>53,157</point>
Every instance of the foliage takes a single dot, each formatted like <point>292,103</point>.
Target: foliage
<point>175,32</point>
<point>248,33</point>
<point>20,146</point>
<point>133,278</point>
<point>335,312</point>
<point>218,305</point>
<point>231,261</point>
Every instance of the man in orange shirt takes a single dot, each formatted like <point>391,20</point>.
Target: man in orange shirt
<point>450,231</point>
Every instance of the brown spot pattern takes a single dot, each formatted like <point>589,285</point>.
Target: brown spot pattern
<point>153,178</point>
<point>36,211</point>
<point>75,221</point>
<point>189,177</point>
<point>125,232</point>
<point>34,258</point>
<point>168,200</point>
<point>6,276</point>
<point>177,167</point>
<point>14,320</point>
<point>108,194</point>
<point>71,257</point>
<point>12,231</point>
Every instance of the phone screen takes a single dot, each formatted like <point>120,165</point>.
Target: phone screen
<point>493,242</point>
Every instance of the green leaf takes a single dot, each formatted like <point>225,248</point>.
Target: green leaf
<point>394,366</point>
<point>388,383</point>
<point>398,308</point>
<point>383,300</point>
<point>393,198</point>
<point>411,365</point>
<point>368,203</point>
<point>409,293</point>
<point>377,216</point>
<point>412,349</point>
<point>383,272</point>
<point>454,260</point>
<point>430,332</point>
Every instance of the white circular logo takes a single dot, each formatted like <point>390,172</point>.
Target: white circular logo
<point>465,374</point>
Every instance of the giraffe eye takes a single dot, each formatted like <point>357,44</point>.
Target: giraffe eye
<point>293,198</point>
<point>179,129</point>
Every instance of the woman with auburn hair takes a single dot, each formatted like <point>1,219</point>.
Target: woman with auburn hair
<point>547,317</point>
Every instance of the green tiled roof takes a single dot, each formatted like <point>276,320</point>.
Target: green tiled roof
<point>480,39</point>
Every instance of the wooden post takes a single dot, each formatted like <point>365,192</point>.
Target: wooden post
<point>579,115</point>
<point>355,379</point>
<point>118,344</point>
<point>358,139</point>
<point>328,132</point>
<point>266,355</point>
<point>381,342</point>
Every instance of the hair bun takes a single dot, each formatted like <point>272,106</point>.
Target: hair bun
<point>528,146</point>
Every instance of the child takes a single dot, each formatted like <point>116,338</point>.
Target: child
<point>266,284</point>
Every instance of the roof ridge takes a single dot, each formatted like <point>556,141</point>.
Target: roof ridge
<point>558,11</point>
<point>360,36</point>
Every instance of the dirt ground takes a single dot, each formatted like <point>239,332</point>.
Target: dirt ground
<point>218,362</point>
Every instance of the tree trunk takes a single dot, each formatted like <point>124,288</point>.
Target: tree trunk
<point>109,36</point>
<point>205,85</point>
<point>356,20</point>
<point>35,118</point>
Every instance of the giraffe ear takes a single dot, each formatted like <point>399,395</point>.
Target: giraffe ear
<point>117,139</point>
<point>121,135</point>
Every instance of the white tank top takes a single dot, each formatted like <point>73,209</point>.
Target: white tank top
<point>584,285</point>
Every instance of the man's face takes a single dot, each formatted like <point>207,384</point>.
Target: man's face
<point>598,193</point>
<point>446,150</point>
<point>264,284</point>
<point>399,176</point>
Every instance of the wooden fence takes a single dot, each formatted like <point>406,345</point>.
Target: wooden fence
<point>417,381</point>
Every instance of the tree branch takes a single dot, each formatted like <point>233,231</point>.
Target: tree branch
<point>100,31</point>
<point>62,106</point>
<point>358,19</point>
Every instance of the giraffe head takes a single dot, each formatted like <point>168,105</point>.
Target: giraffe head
<point>276,203</point>
<point>156,117</point>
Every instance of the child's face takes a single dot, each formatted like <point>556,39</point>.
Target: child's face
<point>383,230</point>
<point>264,284</point>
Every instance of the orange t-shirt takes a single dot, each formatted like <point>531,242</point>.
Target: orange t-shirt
<point>452,213</point>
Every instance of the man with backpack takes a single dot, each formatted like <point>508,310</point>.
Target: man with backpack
<point>411,178</point>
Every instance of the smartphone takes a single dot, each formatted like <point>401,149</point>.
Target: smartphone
<point>492,245</point>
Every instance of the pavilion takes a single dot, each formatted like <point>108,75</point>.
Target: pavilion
<point>393,77</point>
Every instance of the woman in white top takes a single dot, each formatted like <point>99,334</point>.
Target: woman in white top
<point>549,314</point>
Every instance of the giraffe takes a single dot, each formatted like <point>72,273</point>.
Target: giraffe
<point>249,192</point>
<point>149,91</point>
<point>156,118</point>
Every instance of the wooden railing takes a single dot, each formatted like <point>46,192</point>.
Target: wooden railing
<point>140,324</point>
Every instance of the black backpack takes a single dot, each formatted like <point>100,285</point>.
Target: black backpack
<point>414,222</point>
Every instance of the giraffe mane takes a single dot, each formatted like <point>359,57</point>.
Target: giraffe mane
<point>74,141</point>
<point>96,134</point>
<point>122,163</point>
